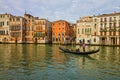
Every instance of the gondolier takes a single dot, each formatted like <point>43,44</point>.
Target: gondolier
<point>83,45</point>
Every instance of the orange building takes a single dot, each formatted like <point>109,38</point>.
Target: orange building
<point>60,32</point>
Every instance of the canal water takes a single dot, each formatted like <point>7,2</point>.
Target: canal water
<point>47,62</point>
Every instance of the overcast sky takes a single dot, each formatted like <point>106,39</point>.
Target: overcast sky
<point>70,10</point>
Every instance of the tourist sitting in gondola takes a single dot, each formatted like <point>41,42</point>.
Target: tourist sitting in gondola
<point>78,50</point>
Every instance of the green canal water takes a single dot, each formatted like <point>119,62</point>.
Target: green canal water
<point>47,62</point>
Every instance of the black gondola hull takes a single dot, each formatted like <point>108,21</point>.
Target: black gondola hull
<point>81,53</point>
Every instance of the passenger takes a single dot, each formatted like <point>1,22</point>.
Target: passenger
<point>71,49</point>
<point>78,50</point>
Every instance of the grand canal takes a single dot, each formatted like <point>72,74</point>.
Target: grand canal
<point>47,62</point>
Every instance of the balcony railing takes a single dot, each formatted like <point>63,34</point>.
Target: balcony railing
<point>103,29</point>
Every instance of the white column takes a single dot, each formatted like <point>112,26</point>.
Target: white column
<point>108,40</point>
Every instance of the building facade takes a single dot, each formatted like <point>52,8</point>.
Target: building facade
<point>109,28</point>
<point>42,31</point>
<point>60,32</point>
<point>102,29</point>
<point>84,30</point>
<point>95,31</point>
<point>72,30</point>
<point>16,29</point>
<point>4,27</point>
<point>29,28</point>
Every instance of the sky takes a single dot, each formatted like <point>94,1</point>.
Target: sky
<point>69,10</point>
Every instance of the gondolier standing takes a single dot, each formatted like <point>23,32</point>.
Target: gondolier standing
<point>83,45</point>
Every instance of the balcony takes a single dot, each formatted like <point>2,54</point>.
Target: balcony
<point>112,29</point>
<point>103,29</point>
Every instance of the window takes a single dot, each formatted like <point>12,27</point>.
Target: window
<point>114,24</point>
<point>2,32</point>
<point>94,39</point>
<point>101,25</point>
<point>114,33</point>
<point>63,34</point>
<point>110,33</point>
<point>0,24</point>
<point>110,19</point>
<point>85,31</point>
<point>95,20</point>
<point>105,19</point>
<point>94,33</point>
<point>90,30</point>
<point>110,25</point>
<point>114,18</point>
<point>104,33</point>
<point>10,19</point>
<point>39,34</point>
<point>101,33</point>
<point>56,39</point>
<point>63,24</point>
<point>7,23</point>
<point>95,26</point>
<point>59,35</point>
<point>82,31</point>
<point>3,23</point>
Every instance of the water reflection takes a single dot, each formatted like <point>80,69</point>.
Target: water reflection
<point>58,57</point>
<point>47,62</point>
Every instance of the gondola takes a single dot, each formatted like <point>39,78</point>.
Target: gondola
<point>81,53</point>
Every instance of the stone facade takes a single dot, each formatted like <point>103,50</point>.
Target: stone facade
<point>4,27</point>
<point>16,28</point>
<point>42,31</point>
<point>84,30</point>
<point>109,25</point>
<point>102,29</point>
<point>29,28</point>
